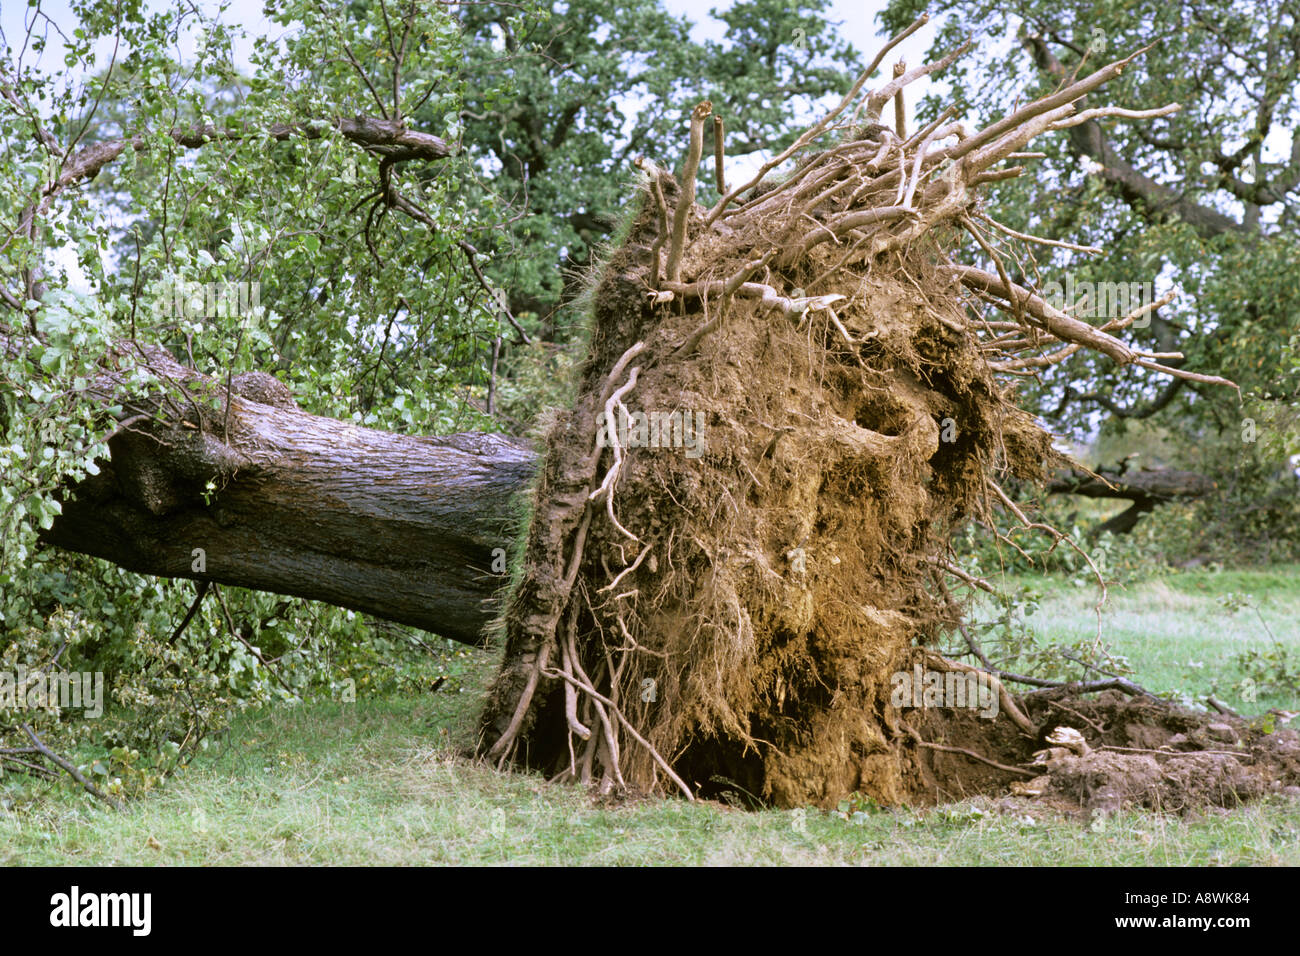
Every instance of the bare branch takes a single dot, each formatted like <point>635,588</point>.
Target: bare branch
<point>686,201</point>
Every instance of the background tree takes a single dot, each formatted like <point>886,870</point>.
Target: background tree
<point>1203,201</point>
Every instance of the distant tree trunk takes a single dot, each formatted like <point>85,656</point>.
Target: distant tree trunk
<point>1145,489</point>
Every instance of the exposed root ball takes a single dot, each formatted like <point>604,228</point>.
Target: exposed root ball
<point>787,410</point>
<point>788,487</point>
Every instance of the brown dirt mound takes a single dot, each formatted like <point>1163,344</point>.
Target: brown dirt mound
<point>788,568</point>
<point>1136,754</point>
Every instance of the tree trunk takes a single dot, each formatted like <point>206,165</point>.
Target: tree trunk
<point>1145,489</point>
<point>400,527</point>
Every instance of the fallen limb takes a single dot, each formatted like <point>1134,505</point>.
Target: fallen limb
<point>66,766</point>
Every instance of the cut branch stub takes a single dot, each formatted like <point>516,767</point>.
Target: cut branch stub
<point>686,202</point>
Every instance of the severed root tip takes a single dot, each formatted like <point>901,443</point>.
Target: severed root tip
<point>1070,739</point>
<point>682,213</point>
<point>1066,742</point>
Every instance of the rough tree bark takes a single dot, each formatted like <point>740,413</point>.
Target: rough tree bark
<point>401,527</point>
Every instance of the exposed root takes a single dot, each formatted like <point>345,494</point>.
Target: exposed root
<point>963,750</point>
<point>1005,700</point>
<point>859,407</point>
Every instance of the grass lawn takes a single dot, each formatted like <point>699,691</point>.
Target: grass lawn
<point>1175,632</point>
<point>378,781</point>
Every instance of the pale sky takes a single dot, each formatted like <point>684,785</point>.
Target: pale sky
<point>857,19</point>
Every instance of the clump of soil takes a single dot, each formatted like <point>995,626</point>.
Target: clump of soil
<point>787,569</point>
<point>1136,753</point>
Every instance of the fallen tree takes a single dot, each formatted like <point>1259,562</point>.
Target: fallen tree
<point>1145,488</point>
<point>740,528</point>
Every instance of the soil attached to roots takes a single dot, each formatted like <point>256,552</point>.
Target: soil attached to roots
<point>740,528</point>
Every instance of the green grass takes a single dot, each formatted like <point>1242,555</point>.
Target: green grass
<point>380,782</point>
<point>1176,634</point>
